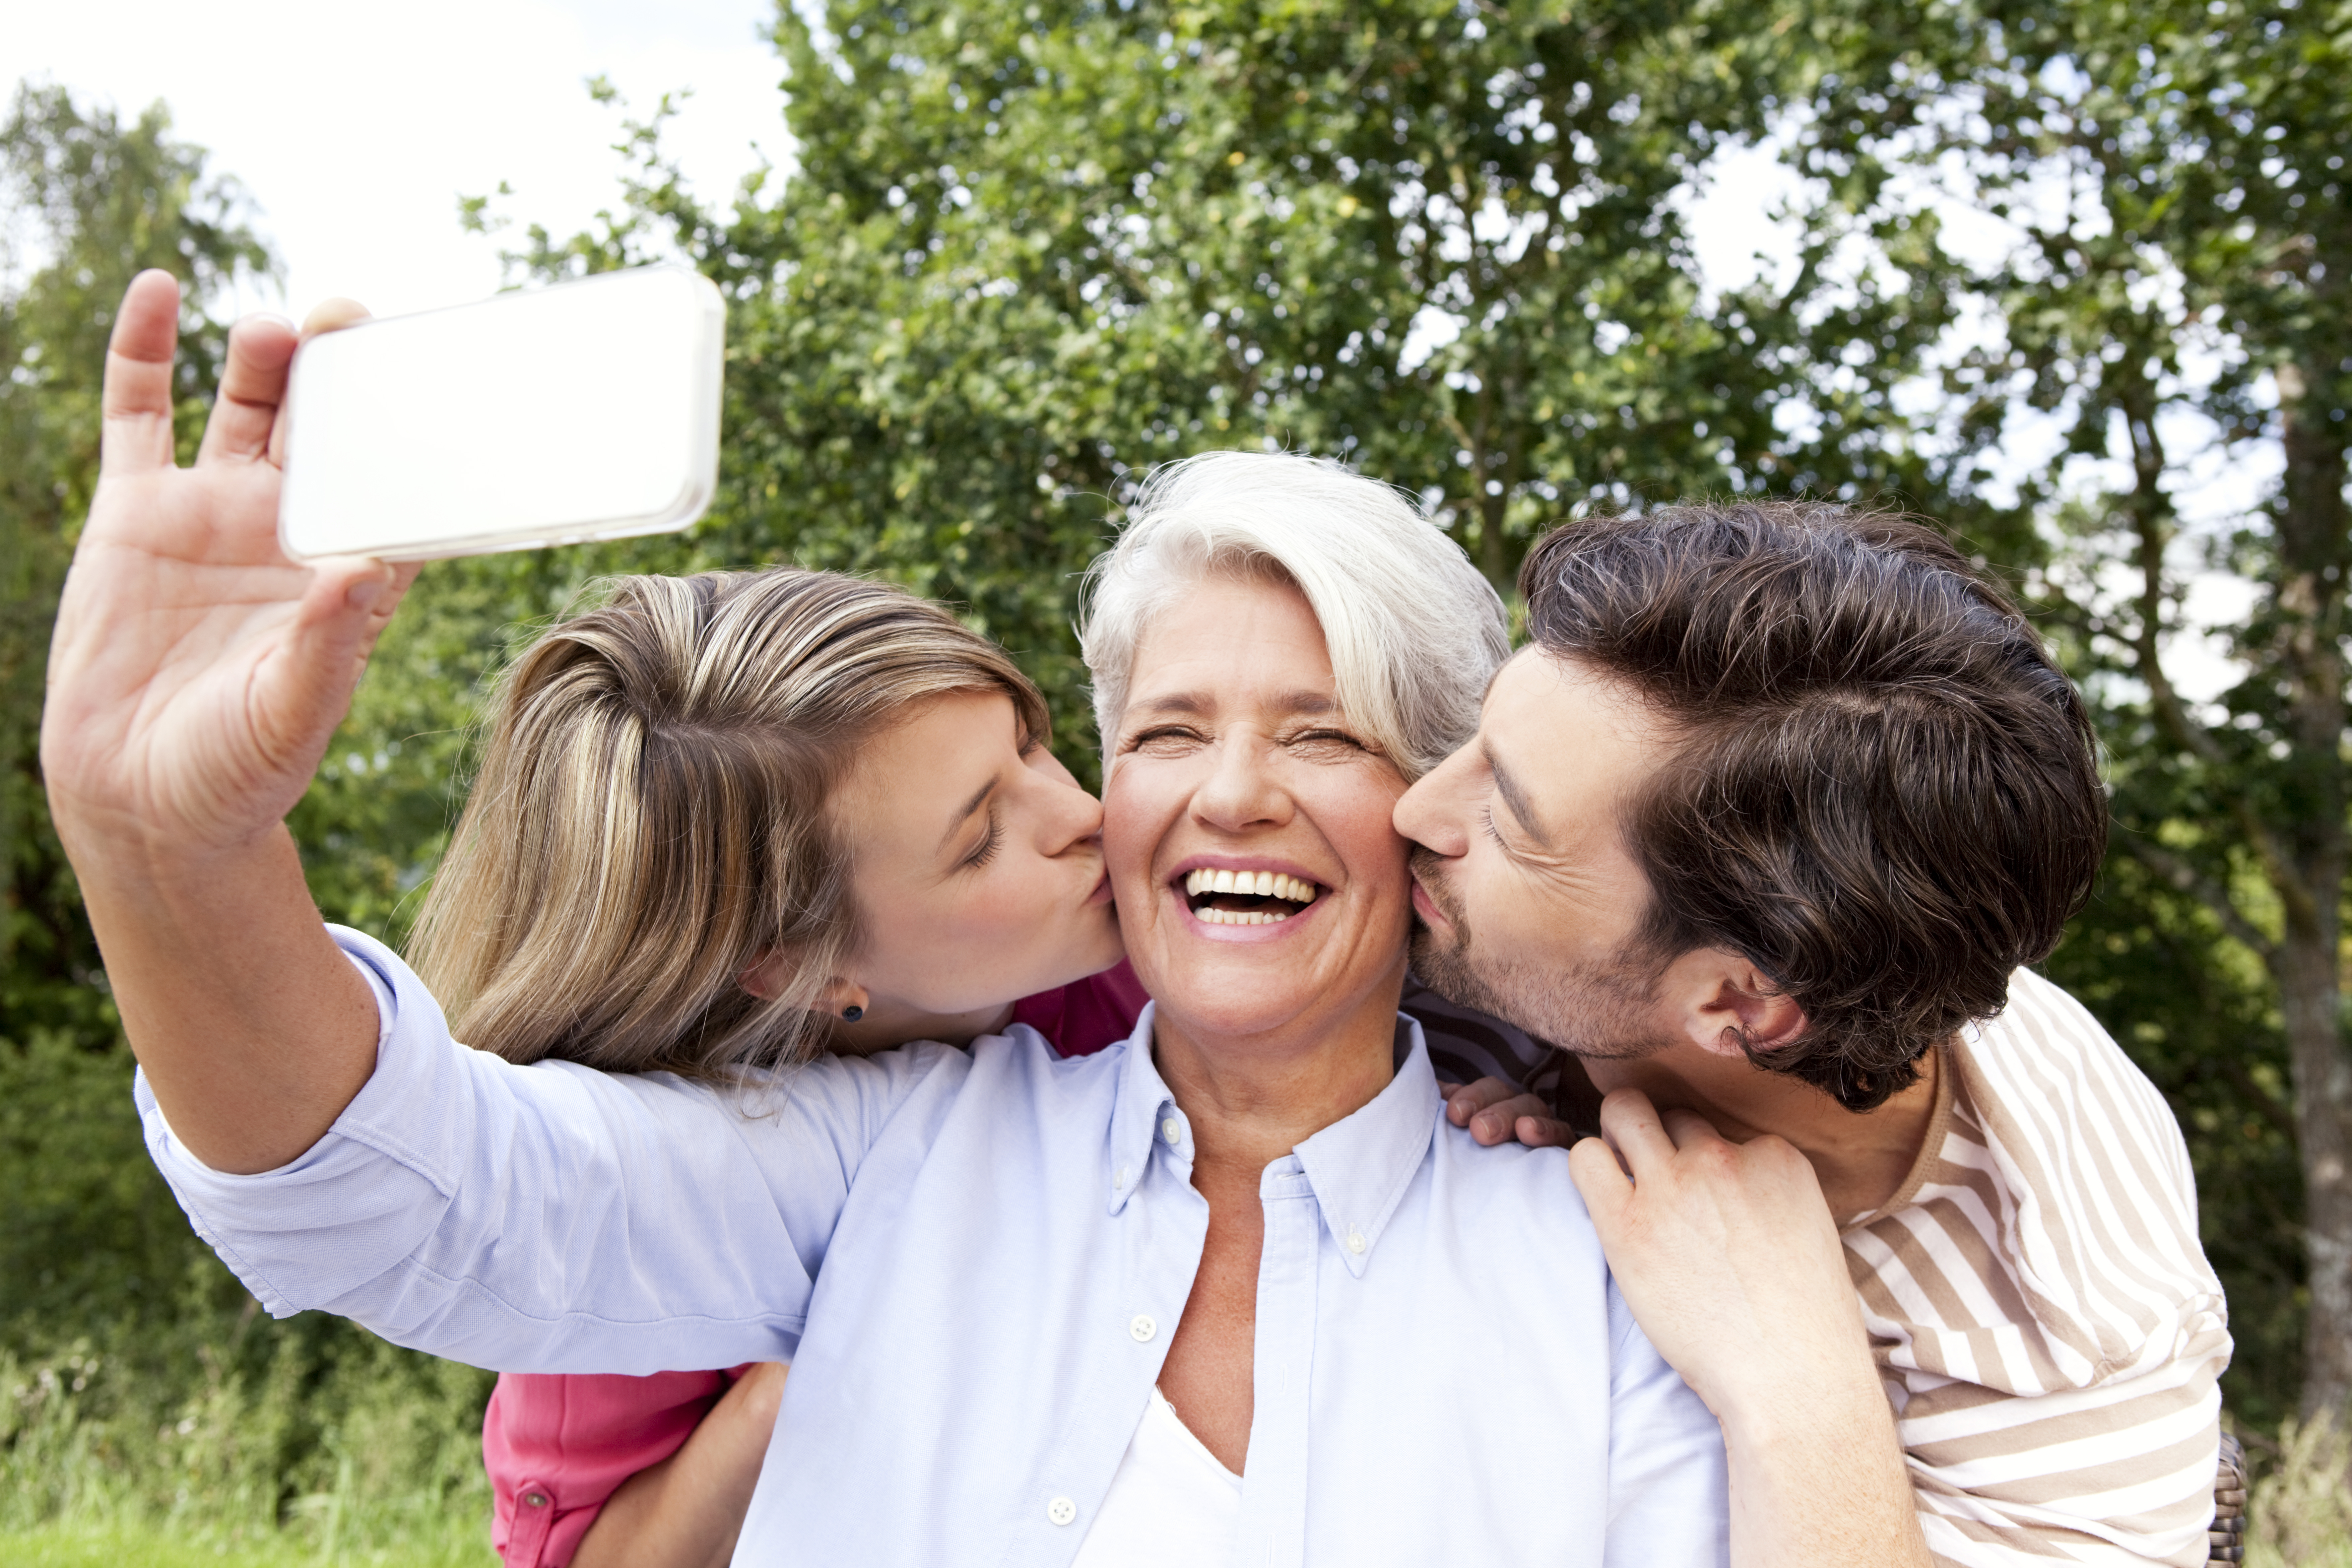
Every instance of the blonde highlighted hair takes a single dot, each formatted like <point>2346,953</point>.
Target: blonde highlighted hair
<point>649,817</point>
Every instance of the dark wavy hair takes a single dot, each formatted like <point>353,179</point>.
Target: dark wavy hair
<point>1885,792</point>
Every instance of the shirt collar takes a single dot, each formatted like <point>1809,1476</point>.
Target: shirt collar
<point>1143,1109</point>
<point>1359,1167</point>
<point>1361,1164</point>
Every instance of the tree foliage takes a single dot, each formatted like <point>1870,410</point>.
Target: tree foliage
<point>1028,252</point>
<point>2175,298</point>
<point>90,203</point>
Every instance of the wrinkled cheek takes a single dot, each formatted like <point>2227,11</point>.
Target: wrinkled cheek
<point>1130,833</point>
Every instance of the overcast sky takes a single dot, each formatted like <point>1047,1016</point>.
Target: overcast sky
<point>354,130</point>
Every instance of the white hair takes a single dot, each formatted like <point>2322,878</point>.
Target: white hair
<point>1414,631</point>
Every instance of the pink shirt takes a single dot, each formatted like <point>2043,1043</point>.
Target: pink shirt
<point>558,1446</point>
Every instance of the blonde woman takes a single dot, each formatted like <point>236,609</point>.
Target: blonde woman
<point>654,874</point>
<point>1046,1308</point>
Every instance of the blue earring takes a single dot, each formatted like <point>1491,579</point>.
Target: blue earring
<point>851,1013</point>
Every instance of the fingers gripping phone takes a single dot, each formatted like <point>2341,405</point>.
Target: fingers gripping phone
<point>588,410</point>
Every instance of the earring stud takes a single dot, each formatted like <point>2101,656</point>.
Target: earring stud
<point>850,1015</point>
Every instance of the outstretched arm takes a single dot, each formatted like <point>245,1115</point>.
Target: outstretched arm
<point>1729,1259</point>
<point>196,679</point>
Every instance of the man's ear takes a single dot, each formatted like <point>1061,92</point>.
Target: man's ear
<point>1721,1000</point>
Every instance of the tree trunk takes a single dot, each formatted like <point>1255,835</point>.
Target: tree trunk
<point>1494,549</point>
<point>2313,554</point>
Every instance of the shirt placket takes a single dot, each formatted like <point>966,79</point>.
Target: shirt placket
<point>1274,1488</point>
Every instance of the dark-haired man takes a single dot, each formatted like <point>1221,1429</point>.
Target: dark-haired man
<point>1765,827</point>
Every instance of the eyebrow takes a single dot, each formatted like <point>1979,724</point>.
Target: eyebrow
<point>1522,809</point>
<point>979,799</point>
<point>1199,702</point>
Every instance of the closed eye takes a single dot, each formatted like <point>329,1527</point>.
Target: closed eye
<point>1329,744</point>
<point>1161,737</point>
<point>989,843</point>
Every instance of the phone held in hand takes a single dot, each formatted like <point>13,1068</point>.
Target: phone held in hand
<point>584,411</point>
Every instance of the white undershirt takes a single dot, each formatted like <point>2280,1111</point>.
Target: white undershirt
<point>1171,1504</point>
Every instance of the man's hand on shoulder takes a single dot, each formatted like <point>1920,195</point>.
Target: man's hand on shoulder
<point>1725,1252</point>
<point>1731,1263</point>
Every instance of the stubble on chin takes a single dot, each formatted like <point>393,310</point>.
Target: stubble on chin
<point>1603,1011</point>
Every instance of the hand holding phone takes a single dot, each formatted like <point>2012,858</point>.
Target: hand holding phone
<point>196,674</point>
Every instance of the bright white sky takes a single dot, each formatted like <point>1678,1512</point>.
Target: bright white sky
<point>354,130</point>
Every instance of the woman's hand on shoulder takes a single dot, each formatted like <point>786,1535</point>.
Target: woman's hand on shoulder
<point>196,674</point>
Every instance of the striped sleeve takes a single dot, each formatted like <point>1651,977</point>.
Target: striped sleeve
<point>1466,1043</point>
<point>2042,1312</point>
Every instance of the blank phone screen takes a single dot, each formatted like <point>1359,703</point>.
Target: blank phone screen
<point>584,411</point>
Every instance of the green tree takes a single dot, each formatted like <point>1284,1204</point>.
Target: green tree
<point>1029,251</point>
<point>2174,175</point>
<point>92,201</point>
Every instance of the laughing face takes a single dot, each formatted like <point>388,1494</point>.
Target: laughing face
<point>1261,886</point>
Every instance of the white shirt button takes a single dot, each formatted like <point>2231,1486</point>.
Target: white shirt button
<point>1061,1511</point>
<point>1171,1129</point>
<point>1143,1328</point>
<point>1120,1181</point>
<point>1355,1241</point>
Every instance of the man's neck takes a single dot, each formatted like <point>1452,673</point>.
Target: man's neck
<point>1862,1158</point>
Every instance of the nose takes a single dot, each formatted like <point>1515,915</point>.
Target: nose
<point>1242,791</point>
<point>1072,817</point>
<point>1434,812</point>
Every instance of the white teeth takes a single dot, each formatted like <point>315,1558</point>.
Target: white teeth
<point>1262,884</point>
<point>1239,917</point>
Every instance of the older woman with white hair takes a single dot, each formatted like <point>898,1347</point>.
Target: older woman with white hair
<point>1232,1291</point>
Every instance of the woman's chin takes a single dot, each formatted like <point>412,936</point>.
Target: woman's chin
<point>1101,949</point>
<point>1234,1018</point>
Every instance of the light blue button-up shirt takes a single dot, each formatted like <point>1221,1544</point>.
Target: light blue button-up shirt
<point>976,1262</point>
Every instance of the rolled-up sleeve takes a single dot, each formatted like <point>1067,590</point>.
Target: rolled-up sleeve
<point>549,1218</point>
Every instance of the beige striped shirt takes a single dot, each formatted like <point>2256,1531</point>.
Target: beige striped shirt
<point>2042,1312</point>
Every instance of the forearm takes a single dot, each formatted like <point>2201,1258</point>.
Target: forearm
<point>1818,1479</point>
<point>254,1030</point>
<point>687,1511</point>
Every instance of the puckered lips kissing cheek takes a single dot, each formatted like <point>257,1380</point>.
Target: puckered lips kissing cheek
<point>1432,901</point>
<point>1233,897</point>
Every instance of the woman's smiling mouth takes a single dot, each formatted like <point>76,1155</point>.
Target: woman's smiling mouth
<point>1245,896</point>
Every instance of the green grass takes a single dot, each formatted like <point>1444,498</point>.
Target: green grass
<point>162,1546</point>
<point>2300,1512</point>
<point>251,1443</point>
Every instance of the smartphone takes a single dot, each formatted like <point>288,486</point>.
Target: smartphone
<point>586,410</point>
